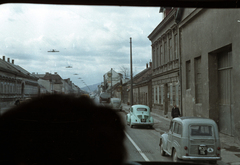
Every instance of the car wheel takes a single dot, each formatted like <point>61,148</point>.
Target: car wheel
<point>131,124</point>
<point>175,158</point>
<point>163,153</point>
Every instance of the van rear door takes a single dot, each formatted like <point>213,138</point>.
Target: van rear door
<point>202,141</point>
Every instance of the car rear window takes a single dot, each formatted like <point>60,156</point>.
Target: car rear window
<point>141,109</point>
<point>201,130</point>
<point>116,101</point>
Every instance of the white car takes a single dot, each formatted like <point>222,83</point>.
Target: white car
<point>139,115</point>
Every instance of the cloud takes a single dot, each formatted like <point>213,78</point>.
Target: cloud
<point>92,39</point>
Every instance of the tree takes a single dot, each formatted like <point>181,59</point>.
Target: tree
<point>125,72</point>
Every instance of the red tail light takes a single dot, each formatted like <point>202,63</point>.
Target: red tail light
<point>185,148</point>
<point>186,154</point>
<point>219,148</point>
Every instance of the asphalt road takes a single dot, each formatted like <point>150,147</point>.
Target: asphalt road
<point>141,142</point>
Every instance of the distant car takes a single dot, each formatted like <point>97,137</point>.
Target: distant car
<point>139,115</point>
<point>191,138</point>
<point>104,96</point>
<point>115,103</point>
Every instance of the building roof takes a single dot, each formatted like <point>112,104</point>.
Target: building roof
<point>14,69</point>
<point>53,77</point>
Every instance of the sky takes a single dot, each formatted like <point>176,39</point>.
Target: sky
<point>90,39</point>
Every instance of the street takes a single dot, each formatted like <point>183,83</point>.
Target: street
<point>141,142</point>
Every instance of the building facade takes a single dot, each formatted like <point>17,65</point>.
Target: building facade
<point>210,48</point>
<point>166,91</point>
<point>15,83</point>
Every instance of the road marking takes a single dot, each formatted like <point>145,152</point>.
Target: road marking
<point>138,149</point>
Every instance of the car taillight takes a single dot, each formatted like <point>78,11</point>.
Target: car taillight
<point>186,154</point>
<point>185,148</point>
<point>219,148</point>
<point>136,120</point>
<point>218,154</point>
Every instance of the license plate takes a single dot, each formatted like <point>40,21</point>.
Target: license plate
<point>202,150</point>
<point>143,120</point>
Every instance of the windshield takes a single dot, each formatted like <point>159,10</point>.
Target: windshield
<point>185,62</point>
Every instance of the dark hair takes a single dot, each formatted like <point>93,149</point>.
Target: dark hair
<point>60,129</point>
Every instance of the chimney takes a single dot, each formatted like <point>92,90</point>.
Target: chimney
<point>12,61</point>
<point>150,63</point>
<point>3,58</point>
<point>146,65</point>
<point>55,72</point>
<point>8,59</point>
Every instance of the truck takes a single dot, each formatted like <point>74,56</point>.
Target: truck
<point>104,96</point>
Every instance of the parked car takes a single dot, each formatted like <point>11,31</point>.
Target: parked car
<point>115,103</point>
<point>191,138</point>
<point>139,115</point>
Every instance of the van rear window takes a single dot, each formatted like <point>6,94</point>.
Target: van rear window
<point>201,130</point>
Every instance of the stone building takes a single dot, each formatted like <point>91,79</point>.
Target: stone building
<point>142,87</point>
<point>210,48</point>
<point>166,89</point>
<point>15,83</point>
<point>52,82</point>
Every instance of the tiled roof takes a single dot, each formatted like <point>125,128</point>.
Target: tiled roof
<point>55,77</point>
<point>14,69</point>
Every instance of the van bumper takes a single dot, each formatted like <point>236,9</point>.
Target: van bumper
<point>200,158</point>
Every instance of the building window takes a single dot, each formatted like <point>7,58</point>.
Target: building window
<point>171,94</point>
<point>188,74</point>
<point>175,47</point>
<point>157,58</point>
<point>176,94</point>
<point>154,94</point>
<point>198,80</point>
<point>158,94</point>
<point>165,53</point>
<point>162,94</point>
<point>1,87</point>
<point>161,56</point>
<point>153,58</point>
<point>170,49</point>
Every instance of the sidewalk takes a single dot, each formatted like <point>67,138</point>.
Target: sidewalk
<point>230,151</point>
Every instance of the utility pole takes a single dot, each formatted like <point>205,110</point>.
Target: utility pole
<point>111,82</point>
<point>131,94</point>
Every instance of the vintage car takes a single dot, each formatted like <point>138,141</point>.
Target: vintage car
<point>139,115</point>
<point>115,103</point>
<point>191,138</point>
